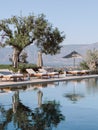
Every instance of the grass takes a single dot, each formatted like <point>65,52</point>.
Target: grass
<point>3,66</point>
<point>22,67</point>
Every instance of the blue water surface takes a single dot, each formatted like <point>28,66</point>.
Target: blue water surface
<point>67,105</point>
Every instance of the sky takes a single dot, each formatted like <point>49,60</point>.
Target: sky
<point>78,19</point>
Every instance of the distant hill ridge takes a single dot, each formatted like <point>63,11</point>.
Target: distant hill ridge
<point>49,60</point>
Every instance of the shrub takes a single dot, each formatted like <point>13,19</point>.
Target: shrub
<point>23,66</point>
<point>84,65</point>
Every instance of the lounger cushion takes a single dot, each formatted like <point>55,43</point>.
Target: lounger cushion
<point>42,71</point>
<point>30,71</point>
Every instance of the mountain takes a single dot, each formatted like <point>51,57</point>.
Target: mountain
<point>55,60</point>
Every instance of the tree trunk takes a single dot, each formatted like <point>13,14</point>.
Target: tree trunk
<point>15,57</point>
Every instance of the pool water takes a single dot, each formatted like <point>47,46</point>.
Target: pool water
<point>67,105</point>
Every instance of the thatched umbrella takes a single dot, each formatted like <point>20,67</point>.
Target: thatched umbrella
<point>73,55</point>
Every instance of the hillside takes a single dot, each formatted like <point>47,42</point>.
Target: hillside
<point>49,60</point>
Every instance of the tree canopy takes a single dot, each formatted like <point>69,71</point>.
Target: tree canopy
<point>20,32</point>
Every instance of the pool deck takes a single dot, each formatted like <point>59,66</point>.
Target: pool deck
<point>36,80</point>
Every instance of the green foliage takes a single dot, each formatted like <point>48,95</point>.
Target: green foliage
<point>92,59</point>
<point>22,67</point>
<point>84,65</point>
<point>19,32</point>
<point>92,56</point>
<point>3,66</point>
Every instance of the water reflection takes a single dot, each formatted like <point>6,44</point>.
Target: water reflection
<point>40,94</point>
<point>36,107</point>
<point>74,96</point>
<point>15,101</point>
<point>46,116</point>
<point>92,85</point>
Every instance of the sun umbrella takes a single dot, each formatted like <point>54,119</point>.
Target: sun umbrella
<point>73,55</point>
<point>39,60</point>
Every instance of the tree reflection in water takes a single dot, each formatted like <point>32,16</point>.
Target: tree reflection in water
<point>92,85</point>
<point>47,116</point>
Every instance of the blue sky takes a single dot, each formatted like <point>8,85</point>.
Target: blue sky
<point>78,19</point>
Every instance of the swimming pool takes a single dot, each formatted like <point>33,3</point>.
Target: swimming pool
<point>67,105</point>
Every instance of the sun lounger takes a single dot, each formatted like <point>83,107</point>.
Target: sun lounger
<point>8,75</point>
<point>1,76</point>
<point>78,72</point>
<point>73,72</point>
<point>31,73</point>
<point>15,77</point>
<point>51,74</point>
<point>85,71</point>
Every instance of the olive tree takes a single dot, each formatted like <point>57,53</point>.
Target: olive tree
<point>91,59</point>
<point>20,32</point>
